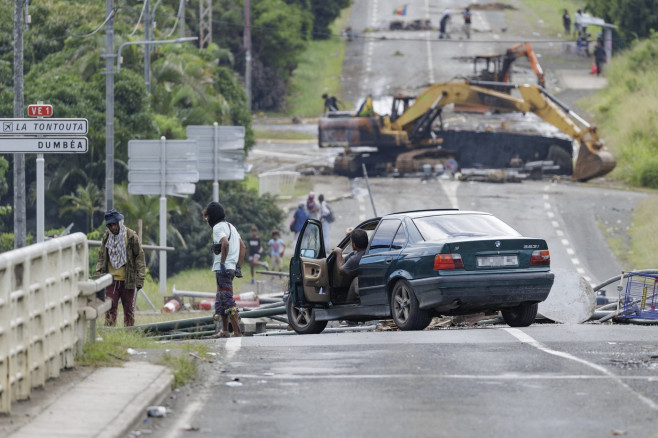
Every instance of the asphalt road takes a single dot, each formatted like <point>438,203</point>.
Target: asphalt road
<point>541,381</point>
<point>549,380</point>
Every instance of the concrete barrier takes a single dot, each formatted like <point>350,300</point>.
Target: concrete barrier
<point>46,301</point>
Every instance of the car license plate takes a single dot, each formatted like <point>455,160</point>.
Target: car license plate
<point>497,260</point>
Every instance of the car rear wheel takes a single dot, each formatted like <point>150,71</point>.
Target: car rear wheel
<point>302,319</point>
<point>406,311</point>
<point>521,316</point>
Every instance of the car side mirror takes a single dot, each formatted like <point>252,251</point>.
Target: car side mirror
<point>307,253</point>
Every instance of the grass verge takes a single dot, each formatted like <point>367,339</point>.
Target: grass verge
<point>282,135</point>
<point>112,350</point>
<point>318,71</point>
<point>643,235</point>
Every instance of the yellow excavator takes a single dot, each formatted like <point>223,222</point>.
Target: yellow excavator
<point>406,136</point>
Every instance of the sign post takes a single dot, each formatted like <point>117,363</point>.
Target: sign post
<point>39,135</point>
<point>162,167</point>
<point>221,153</point>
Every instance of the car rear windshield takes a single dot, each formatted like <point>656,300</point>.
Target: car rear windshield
<point>462,225</point>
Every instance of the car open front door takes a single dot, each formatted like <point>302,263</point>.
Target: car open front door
<point>309,278</point>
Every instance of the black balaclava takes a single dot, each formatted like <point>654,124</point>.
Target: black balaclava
<point>215,212</point>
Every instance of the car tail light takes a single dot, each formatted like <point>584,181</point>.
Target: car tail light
<point>448,261</point>
<point>540,257</point>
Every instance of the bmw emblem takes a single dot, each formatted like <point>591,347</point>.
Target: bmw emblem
<point>497,243</point>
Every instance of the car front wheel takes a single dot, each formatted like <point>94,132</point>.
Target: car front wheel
<point>302,319</point>
<point>406,311</point>
<point>521,316</point>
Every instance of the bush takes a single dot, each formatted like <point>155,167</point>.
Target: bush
<point>648,174</point>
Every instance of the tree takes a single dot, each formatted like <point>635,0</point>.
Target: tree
<point>634,18</point>
<point>88,199</point>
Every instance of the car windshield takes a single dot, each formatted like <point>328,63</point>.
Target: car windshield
<point>462,225</point>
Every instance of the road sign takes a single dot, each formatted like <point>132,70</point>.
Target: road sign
<point>178,189</point>
<point>227,163</point>
<point>27,145</point>
<point>145,172</point>
<point>43,127</point>
<point>40,110</point>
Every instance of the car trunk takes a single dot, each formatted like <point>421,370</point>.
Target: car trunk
<point>495,254</point>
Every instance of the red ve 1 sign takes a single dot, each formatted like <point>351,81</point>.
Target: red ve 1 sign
<point>40,110</point>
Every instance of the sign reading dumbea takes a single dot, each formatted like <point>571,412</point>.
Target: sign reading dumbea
<point>39,135</point>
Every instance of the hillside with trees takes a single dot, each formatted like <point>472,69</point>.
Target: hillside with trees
<point>64,66</point>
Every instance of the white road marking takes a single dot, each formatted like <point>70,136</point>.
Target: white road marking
<point>527,339</point>
<point>232,346</point>
<point>450,189</point>
<point>565,242</point>
<point>506,376</point>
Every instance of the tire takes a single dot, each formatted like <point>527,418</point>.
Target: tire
<point>302,319</point>
<point>405,308</point>
<point>521,316</point>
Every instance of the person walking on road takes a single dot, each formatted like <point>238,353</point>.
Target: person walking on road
<point>255,251</point>
<point>326,218</point>
<point>330,103</point>
<point>600,57</point>
<point>277,249</point>
<point>312,207</point>
<point>443,24</point>
<point>467,22</point>
<point>121,255</point>
<point>298,220</point>
<point>566,22</point>
<point>228,249</point>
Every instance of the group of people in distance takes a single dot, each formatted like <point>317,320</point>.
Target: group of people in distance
<point>583,39</point>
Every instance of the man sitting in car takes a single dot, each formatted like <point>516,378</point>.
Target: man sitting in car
<point>348,267</point>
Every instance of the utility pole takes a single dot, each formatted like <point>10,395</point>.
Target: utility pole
<point>181,19</point>
<point>205,23</point>
<point>109,108</point>
<point>147,48</point>
<point>247,46</point>
<point>20,228</point>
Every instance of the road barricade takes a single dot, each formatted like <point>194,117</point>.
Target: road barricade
<point>46,301</point>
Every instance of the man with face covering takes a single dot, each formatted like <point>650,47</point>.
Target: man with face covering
<point>229,253</point>
<point>121,255</point>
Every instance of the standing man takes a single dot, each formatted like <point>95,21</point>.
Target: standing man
<point>600,57</point>
<point>330,103</point>
<point>443,24</point>
<point>467,22</point>
<point>299,218</point>
<point>326,218</point>
<point>255,251</point>
<point>229,253</point>
<point>121,255</point>
<point>566,22</point>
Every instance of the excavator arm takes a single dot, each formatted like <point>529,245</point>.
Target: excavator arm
<point>521,49</point>
<point>592,159</point>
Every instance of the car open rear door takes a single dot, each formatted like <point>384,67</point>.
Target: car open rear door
<point>309,278</point>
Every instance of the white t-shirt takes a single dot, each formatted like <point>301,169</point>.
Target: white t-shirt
<point>220,230</point>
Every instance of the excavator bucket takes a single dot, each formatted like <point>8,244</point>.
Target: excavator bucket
<point>592,163</point>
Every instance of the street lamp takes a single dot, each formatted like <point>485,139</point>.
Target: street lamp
<point>143,43</point>
<point>109,105</point>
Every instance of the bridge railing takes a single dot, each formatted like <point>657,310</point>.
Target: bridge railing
<point>46,302</point>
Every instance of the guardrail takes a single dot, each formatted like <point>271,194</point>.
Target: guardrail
<point>46,301</point>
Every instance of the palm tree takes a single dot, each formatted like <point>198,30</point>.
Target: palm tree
<point>88,199</point>
<point>147,208</point>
